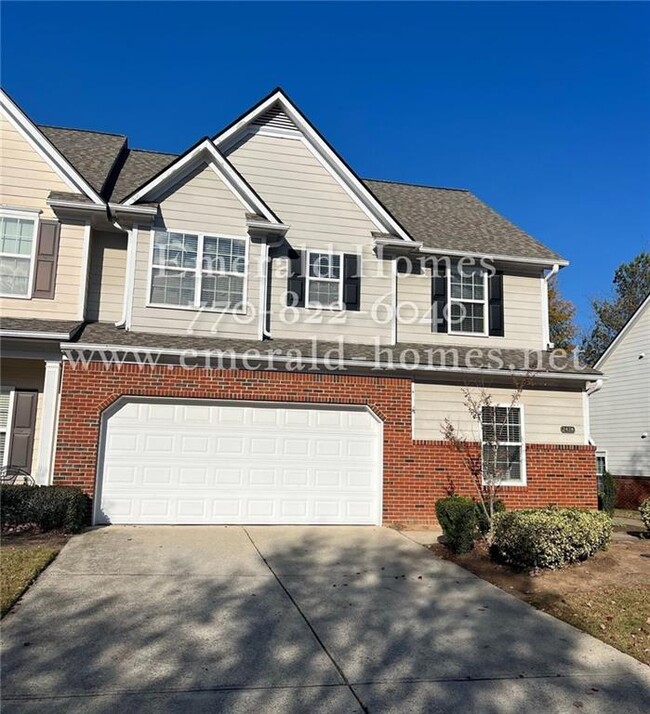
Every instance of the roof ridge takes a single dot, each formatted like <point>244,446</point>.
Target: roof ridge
<point>418,185</point>
<point>85,131</point>
<point>154,151</point>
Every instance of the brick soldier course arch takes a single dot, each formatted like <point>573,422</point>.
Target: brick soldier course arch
<point>416,473</point>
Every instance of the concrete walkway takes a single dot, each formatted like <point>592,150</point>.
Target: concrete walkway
<point>292,620</point>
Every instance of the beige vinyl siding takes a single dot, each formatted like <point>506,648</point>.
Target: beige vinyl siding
<point>522,313</point>
<point>620,411</point>
<point>545,411</point>
<point>27,374</point>
<point>203,204</point>
<point>26,179</point>
<point>106,276</point>
<point>322,217</point>
<point>66,302</point>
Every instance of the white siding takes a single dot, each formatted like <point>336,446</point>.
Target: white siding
<point>620,411</point>
<point>522,314</point>
<point>545,411</point>
<point>106,276</point>
<point>27,374</point>
<point>203,203</point>
<point>322,216</point>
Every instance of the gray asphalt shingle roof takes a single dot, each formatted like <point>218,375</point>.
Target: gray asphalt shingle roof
<point>138,168</point>
<point>92,153</point>
<point>31,324</point>
<point>442,218</point>
<point>455,219</point>
<point>101,333</point>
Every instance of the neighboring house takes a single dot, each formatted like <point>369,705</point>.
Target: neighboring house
<point>620,410</point>
<point>250,333</point>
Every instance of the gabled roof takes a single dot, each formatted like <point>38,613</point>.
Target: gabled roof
<point>623,331</point>
<point>92,153</point>
<point>59,162</point>
<point>205,151</point>
<point>139,167</point>
<point>278,100</point>
<point>455,220</point>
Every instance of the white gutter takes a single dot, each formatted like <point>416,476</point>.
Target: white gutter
<point>195,354</point>
<point>463,253</point>
<point>263,225</point>
<point>36,335</point>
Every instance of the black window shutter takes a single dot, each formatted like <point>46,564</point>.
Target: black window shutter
<point>439,300</point>
<point>47,254</point>
<point>495,304</point>
<point>351,282</point>
<point>296,280</point>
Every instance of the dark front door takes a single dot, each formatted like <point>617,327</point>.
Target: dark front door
<point>23,426</point>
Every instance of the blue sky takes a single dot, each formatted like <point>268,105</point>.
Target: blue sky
<point>542,110</point>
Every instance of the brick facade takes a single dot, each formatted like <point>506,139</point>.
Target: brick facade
<point>631,491</point>
<point>416,473</point>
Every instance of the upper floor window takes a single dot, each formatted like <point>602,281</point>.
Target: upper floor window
<point>17,248</point>
<point>195,270</point>
<point>468,300</point>
<point>324,280</point>
<point>503,444</point>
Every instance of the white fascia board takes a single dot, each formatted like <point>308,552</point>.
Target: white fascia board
<point>342,172</point>
<point>35,335</point>
<point>315,361</point>
<point>63,203</point>
<point>221,166</point>
<point>626,328</point>
<point>46,149</point>
<point>496,257</point>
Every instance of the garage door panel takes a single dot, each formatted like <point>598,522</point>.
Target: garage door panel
<point>224,463</point>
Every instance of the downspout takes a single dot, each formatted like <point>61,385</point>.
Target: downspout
<point>266,297</point>
<point>112,219</point>
<point>548,345</point>
<point>592,388</point>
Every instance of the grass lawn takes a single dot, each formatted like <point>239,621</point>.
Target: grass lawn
<point>607,596</point>
<point>22,558</point>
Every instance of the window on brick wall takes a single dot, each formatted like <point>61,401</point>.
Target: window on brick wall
<point>503,448</point>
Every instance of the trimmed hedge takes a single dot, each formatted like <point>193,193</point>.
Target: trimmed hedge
<point>644,510</point>
<point>457,518</point>
<point>607,495</point>
<point>546,538</point>
<point>48,507</point>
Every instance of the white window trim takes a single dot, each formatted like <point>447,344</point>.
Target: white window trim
<point>522,481</point>
<point>339,306</point>
<point>29,216</point>
<point>484,302</point>
<point>198,271</point>
<point>10,421</point>
<point>602,453</point>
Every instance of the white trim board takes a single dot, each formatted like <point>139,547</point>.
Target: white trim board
<point>44,147</point>
<point>228,138</point>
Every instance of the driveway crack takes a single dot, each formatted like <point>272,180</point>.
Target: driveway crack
<point>329,655</point>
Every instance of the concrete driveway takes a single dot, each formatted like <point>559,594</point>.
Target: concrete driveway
<point>292,620</point>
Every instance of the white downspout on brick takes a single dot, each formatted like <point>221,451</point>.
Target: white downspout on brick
<point>49,412</point>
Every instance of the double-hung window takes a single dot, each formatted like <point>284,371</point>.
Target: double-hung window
<point>324,280</point>
<point>503,444</point>
<point>196,270</point>
<point>17,248</point>
<point>468,300</point>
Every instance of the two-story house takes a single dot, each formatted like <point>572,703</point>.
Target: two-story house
<point>250,333</point>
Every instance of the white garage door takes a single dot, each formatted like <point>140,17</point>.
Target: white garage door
<point>216,462</point>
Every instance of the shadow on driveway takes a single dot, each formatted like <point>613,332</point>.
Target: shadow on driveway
<point>300,619</point>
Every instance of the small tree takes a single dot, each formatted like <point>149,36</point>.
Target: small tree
<point>490,464</point>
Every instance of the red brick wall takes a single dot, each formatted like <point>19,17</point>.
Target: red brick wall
<point>631,490</point>
<point>415,473</point>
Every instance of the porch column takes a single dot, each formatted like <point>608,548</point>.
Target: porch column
<point>49,412</point>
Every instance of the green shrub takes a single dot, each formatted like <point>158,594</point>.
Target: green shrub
<point>457,518</point>
<point>607,494</point>
<point>48,507</point>
<point>644,510</point>
<point>481,516</point>
<point>549,537</point>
